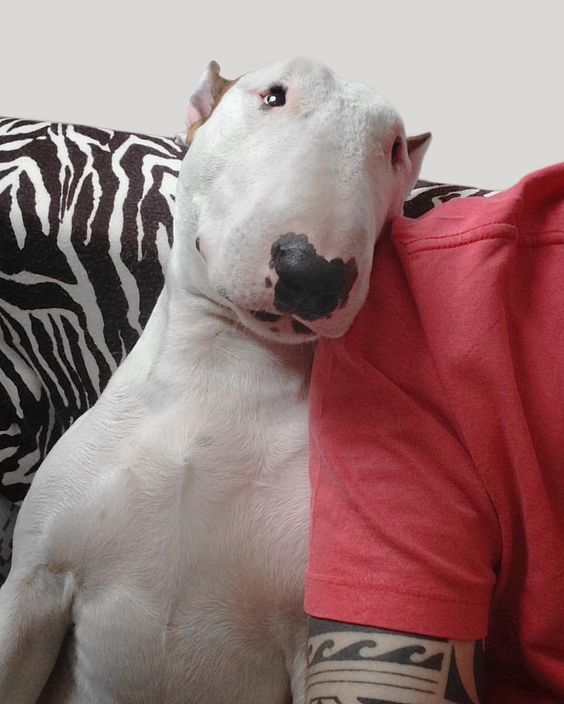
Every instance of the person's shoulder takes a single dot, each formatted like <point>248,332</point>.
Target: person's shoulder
<point>535,203</point>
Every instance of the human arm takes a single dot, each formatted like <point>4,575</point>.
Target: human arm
<point>351,664</point>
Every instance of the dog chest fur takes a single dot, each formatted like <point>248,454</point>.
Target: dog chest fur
<point>182,523</point>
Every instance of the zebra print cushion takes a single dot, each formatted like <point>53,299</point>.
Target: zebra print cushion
<point>85,230</point>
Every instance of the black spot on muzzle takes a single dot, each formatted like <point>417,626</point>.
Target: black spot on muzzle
<point>308,285</point>
<point>265,316</point>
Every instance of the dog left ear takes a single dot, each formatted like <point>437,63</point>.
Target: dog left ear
<point>416,148</point>
<point>205,97</point>
<point>407,155</point>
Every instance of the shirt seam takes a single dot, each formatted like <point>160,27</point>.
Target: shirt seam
<point>414,248</point>
<point>527,239</point>
<point>523,241</point>
<point>464,231</point>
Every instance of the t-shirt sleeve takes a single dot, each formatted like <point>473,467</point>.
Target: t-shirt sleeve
<point>403,534</point>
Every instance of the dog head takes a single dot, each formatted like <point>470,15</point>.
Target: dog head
<point>290,177</point>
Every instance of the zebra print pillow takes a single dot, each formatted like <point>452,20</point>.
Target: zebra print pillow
<point>85,230</point>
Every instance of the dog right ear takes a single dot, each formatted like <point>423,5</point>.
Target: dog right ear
<point>206,96</point>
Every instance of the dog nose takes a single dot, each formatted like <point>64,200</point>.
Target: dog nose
<point>309,285</point>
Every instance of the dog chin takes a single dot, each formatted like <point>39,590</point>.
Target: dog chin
<point>276,327</point>
<point>331,328</point>
<point>288,329</point>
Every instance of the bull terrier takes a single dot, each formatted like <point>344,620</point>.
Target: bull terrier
<point>161,551</point>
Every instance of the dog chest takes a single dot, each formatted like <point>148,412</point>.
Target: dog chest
<point>190,544</point>
<point>202,601</point>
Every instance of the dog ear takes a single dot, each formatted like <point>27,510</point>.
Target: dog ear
<point>407,157</point>
<point>416,148</point>
<point>206,96</point>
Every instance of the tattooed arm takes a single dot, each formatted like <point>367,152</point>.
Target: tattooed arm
<point>363,665</point>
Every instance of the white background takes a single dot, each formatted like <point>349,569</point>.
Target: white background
<point>485,77</point>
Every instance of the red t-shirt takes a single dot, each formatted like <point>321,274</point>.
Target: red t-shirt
<point>437,439</point>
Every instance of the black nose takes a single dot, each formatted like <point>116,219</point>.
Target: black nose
<point>309,285</point>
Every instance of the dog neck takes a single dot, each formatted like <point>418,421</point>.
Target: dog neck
<point>191,342</point>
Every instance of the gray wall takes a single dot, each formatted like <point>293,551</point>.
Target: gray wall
<point>485,77</point>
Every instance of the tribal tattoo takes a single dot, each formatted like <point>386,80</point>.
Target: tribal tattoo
<point>350,664</point>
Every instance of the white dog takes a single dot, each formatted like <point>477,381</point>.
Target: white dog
<point>160,554</point>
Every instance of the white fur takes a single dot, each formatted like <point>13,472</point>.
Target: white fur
<point>169,524</point>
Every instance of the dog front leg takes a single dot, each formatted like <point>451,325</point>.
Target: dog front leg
<point>34,617</point>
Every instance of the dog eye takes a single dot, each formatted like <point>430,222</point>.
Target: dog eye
<point>275,97</point>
